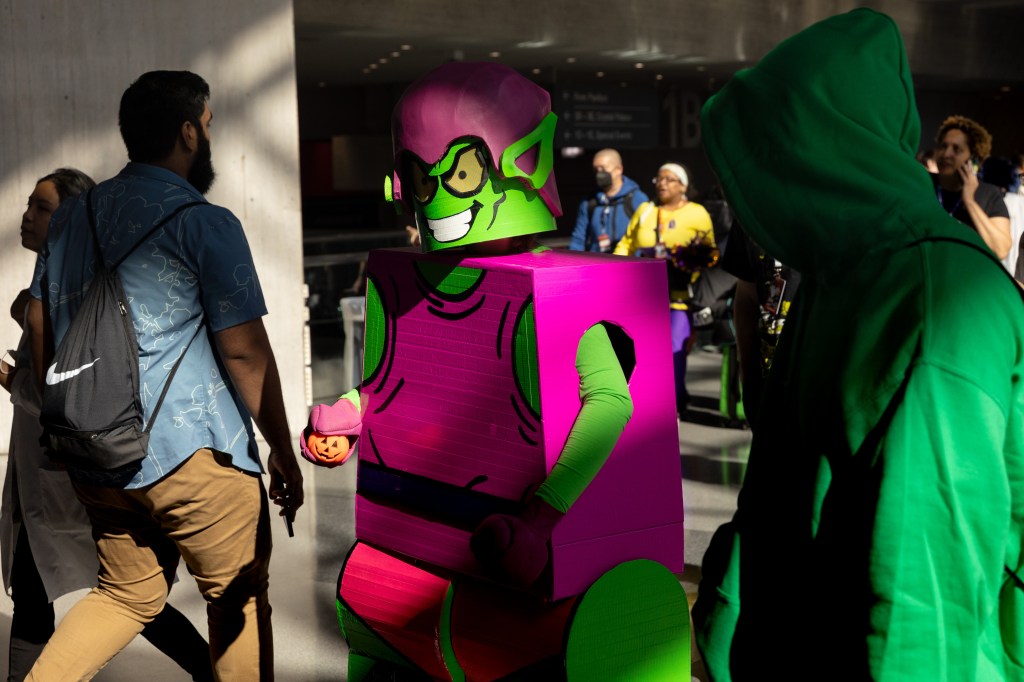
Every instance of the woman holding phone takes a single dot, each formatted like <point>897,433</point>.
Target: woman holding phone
<point>962,144</point>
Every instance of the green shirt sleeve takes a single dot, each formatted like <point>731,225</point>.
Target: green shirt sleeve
<point>603,415</point>
<point>941,536</point>
<point>353,397</point>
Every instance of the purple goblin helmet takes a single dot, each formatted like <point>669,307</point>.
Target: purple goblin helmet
<point>461,99</point>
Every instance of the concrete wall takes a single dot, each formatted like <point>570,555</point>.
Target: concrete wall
<point>63,68</point>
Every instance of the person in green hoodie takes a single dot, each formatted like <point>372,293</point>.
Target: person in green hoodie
<point>878,532</point>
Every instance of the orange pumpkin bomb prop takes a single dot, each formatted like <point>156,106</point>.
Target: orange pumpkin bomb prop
<point>330,450</point>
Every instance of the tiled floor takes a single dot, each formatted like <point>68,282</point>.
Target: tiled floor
<point>304,570</point>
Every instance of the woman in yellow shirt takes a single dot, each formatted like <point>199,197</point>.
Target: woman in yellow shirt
<point>679,231</point>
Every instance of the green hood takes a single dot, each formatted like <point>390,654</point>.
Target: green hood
<point>817,142</point>
<point>884,481</point>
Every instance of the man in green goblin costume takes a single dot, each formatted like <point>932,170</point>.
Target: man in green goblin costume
<point>518,502</point>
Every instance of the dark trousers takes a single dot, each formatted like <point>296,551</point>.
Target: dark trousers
<point>32,623</point>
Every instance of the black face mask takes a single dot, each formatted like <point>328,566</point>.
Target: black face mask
<point>604,179</point>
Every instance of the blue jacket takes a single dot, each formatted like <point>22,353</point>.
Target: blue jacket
<point>608,216</point>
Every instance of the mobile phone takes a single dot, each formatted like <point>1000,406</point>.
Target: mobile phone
<point>287,518</point>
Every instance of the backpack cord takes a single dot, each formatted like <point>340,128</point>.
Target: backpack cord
<point>170,378</point>
<point>102,263</point>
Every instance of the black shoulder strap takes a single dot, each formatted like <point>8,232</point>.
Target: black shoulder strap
<point>170,377</point>
<point>92,230</point>
<point>627,204</point>
<point>100,260</point>
<point>160,223</point>
<point>626,200</point>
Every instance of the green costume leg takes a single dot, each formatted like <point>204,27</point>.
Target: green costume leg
<point>632,624</point>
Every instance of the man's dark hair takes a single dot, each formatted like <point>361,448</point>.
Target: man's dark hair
<point>70,182</point>
<point>153,109</point>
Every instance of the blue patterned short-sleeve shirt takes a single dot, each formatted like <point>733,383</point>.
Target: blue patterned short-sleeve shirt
<point>196,270</point>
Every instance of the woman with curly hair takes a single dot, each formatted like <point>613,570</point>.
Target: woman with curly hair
<point>961,146</point>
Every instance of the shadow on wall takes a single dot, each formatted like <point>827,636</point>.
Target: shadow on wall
<point>60,109</point>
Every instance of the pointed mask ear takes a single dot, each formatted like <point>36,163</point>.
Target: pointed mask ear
<point>542,137</point>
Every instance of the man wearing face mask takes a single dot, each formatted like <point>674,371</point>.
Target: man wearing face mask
<point>602,219</point>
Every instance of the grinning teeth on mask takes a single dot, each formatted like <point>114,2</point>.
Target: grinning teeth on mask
<point>453,227</point>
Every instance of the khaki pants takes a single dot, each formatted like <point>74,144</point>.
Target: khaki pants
<point>212,515</point>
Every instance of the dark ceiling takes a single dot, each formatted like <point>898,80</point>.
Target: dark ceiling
<point>950,43</point>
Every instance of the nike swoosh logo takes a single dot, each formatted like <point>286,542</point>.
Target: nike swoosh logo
<point>53,377</point>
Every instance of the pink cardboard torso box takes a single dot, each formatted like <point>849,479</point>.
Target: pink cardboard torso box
<point>471,389</point>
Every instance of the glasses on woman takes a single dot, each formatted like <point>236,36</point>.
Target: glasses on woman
<point>664,179</point>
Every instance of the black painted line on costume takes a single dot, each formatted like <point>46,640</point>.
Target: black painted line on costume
<point>367,381</point>
<point>477,480</point>
<point>519,386</point>
<point>393,319</point>
<point>497,205</point>
<point>525,437</point>
<point>428,296</point>
<point>451,298</point>
<point>501,325</point>
<point>394,394</point>
<point>460,315</point>
<point>522,417</point>
<point>373,446</point>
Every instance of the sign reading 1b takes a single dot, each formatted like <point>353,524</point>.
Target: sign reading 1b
<point>596,116</point>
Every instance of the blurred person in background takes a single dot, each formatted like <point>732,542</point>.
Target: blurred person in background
<point>46,544</point>
<point>961,146</point>
<point>679,231</point>
<point>1003,174</point>
<point>764,292</point>
<point>1018,162</point>
<point>926,157</point>
<point>602,219</point>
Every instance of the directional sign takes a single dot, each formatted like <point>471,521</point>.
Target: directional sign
<point>595,117</point>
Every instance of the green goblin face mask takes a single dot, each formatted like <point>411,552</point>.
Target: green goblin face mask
<point>474,155</point>
<point>462,200</point>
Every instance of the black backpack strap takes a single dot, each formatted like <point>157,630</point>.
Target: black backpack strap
<point>92,229</point>
<point>626,200</point>
<point>95,236</point>
<point>170,378</point>
<point>160,223</point>
<point>627,204</point>
<point>100,259</point>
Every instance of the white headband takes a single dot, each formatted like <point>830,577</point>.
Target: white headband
<point>676,170</point>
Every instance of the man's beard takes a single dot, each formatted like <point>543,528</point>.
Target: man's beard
<point>201,174</point>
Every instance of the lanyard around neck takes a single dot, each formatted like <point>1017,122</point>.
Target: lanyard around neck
<point>956,206</point>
